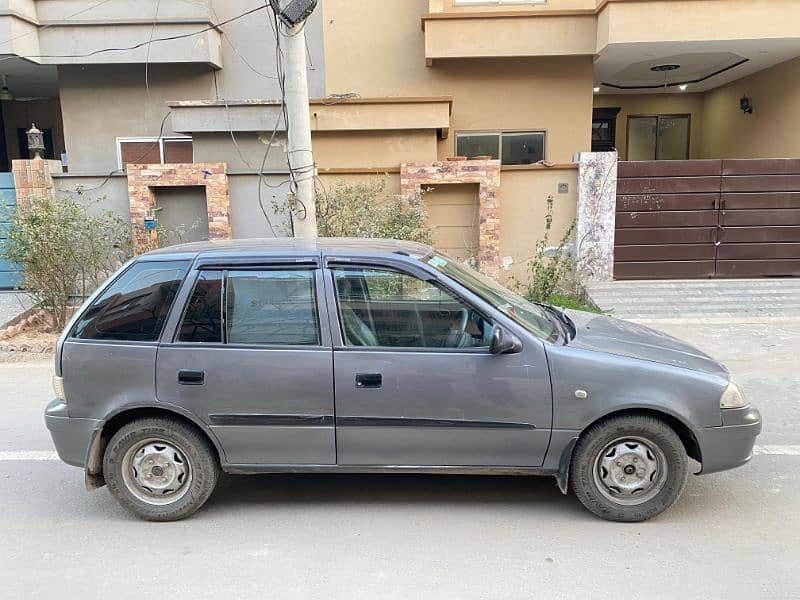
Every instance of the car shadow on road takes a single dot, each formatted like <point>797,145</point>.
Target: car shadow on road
<point>243,490</point>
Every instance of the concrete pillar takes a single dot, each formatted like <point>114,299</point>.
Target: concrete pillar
<point>594,229</point>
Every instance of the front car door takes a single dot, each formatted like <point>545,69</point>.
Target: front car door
<point>251,356</point>
<point>415,382</point>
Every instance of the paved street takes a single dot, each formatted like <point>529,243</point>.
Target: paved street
<point>732,535</point>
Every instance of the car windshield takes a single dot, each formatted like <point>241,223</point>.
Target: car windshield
<point>532,317</point>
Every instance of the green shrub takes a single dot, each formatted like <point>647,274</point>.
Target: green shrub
<point>366,210</point>
<point>66,250</point>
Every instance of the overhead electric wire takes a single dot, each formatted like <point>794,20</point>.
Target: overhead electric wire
<point>169,38</point>
<point>47,25</point>
<point>147,58</point>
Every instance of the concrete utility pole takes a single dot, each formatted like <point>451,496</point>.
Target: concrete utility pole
<point>301,159</point>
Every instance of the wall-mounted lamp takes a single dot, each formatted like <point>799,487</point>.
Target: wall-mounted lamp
<point>35,141</point>
<point>746,105</point>
<point>682,87</point>
<point>597,89</point>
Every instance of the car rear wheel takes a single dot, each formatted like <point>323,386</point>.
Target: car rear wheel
<point>629,468</point>
<point>160,469</point>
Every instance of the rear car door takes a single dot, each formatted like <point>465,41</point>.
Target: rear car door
<point>415,382</point>
<point>250,356</point>
<point>108,357</point>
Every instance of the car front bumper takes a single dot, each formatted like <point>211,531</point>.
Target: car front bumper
<point>70,435</point>
<point>731,444</point>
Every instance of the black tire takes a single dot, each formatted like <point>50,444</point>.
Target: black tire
<point>194,456</point>
<point>590,480</point>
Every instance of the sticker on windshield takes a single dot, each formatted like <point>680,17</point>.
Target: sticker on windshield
<point>437,261</point>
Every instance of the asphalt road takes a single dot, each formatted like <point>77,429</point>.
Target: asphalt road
<point>732,535</point>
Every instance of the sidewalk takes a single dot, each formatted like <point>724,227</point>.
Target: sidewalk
<point>708,300</point>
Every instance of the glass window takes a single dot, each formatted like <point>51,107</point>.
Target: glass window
<point>379,307</point>
<point>658,137</point>
<point>478,144</point>
<point>522,148</point>
<point>135,306</point>
<point>511,148</point>
<point>202,321</point>
<point>271,307</point>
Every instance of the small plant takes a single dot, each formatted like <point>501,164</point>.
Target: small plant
<point>66,250</point>
<point>552,268</point>
<point>365,210</point>
<point>552,271</point>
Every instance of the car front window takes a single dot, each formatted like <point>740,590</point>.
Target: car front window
<point>532,317</point>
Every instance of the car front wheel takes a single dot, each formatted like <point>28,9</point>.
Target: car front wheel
<point>629,468</point>
<point>160,469</point>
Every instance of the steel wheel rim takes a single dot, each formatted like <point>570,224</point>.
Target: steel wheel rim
<point>630,470</point>
<point>156,472</point>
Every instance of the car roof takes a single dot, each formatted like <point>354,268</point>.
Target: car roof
<point>258,247</point>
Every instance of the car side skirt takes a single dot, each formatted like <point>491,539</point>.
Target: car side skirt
<point>400,469</point>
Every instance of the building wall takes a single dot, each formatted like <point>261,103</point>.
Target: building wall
<point>247,217</point>
<point>555,94</point>
<point>771,131</point>
<point>102,102</point>
<point>386,42</point>
<point>523,208</point>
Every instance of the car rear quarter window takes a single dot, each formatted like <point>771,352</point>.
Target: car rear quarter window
<point>135,306</point>
<point>271,307</point>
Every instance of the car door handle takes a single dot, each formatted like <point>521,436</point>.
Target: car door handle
<point>188,377</point>
<point>369,380</point>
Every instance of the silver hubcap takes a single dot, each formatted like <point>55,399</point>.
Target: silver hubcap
<point>156,472</point>
<point>630,471</point>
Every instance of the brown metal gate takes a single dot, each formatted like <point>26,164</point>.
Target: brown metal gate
<point>707,218</point>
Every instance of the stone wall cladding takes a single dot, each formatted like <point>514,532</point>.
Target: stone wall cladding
<point>595,222</point>
<point>213,176</point>
<point>32,179</point>
<point>486,173</point>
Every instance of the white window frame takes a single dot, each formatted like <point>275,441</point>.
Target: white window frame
<point>160,140</point>
<point>500,135</point>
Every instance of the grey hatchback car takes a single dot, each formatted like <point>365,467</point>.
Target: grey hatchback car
<point>374,356</point>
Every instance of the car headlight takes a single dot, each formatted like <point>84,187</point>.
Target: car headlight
<point>732,397</point>
<point>58,388</point>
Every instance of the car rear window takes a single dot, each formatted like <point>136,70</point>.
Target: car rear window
<point>135,306</point>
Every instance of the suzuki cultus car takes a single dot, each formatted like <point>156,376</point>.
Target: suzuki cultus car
<point>374,356</point>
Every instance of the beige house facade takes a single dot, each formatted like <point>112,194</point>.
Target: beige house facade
<point>401,88</point>
<point>672,73</point>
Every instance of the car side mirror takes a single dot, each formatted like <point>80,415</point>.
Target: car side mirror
<point>504,342</point>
